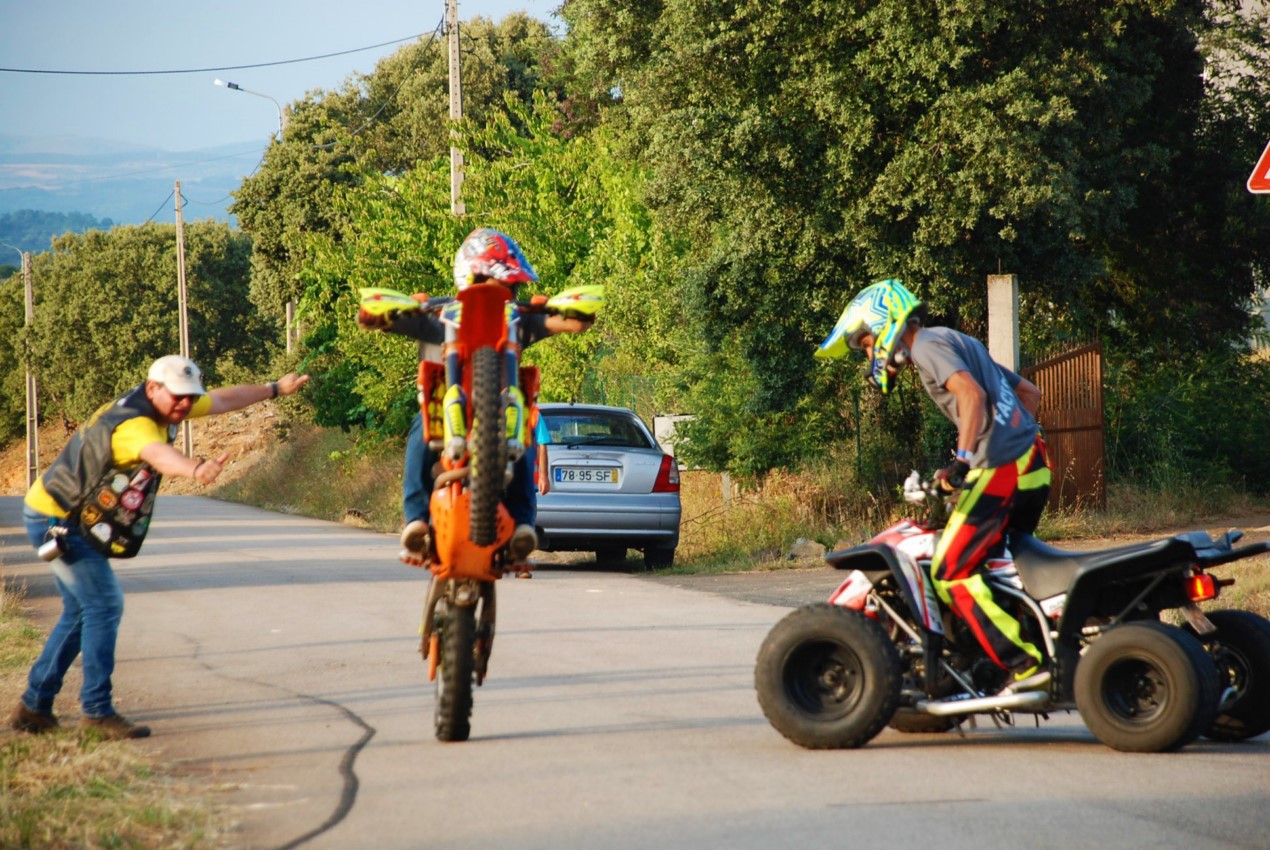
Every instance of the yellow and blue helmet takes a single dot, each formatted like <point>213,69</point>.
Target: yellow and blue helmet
<point>883,310</point>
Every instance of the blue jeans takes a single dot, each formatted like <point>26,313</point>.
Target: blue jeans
<point>521,496</point>
<point>92,606</point>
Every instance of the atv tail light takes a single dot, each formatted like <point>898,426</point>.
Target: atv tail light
<point>667,476</point>
<point>1201,587</point>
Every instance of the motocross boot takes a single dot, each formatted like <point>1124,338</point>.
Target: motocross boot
<point>415,543</point>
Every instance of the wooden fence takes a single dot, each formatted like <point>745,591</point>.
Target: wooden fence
<point>1072,415</point>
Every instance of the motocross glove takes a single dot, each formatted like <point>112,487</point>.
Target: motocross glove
<point>953,476</point>
<point>369,321</point>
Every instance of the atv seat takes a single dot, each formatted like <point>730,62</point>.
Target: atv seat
<point>1046,571</point>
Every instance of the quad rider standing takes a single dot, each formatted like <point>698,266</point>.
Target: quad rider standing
<point>1000,466</point>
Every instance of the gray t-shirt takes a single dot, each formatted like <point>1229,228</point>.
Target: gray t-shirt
<point>1010,430</point>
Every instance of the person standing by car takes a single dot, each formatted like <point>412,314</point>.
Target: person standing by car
<point>485,255</point>
<point>95,502</point>
<point>1000,467</point>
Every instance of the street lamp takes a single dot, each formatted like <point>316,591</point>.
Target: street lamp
<point>282,129</point>
<point>32,388</point>
<point>282,113</point>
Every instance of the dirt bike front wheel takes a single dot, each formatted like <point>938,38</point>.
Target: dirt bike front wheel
<point>456,626</point>
<point>828,677</point>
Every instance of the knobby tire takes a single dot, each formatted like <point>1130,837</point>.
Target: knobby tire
<point>488,446</point>
<point>454,679</point>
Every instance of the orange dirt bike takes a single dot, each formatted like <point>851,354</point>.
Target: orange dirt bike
<point>475,405</point>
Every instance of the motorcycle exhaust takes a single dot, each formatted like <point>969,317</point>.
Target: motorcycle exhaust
<point>1010,702</point>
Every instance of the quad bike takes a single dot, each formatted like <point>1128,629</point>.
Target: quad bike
<point>475,405</point>
<point>886,650</point>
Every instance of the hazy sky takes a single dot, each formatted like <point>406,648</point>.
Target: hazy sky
<point>185,111</point>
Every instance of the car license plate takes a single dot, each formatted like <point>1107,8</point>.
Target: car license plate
<point>586,475</point>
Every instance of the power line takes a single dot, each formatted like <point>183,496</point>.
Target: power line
<point>205,70</point>
<point>423,52</point>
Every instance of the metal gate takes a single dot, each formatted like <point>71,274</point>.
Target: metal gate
<point>1072,415</point>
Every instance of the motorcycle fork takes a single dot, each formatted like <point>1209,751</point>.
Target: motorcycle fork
<point>458,593</point>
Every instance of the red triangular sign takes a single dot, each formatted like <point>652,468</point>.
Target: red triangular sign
<point>1259,180</point>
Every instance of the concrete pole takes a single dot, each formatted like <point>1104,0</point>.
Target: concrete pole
<point>456,106</point>
<point>32,389</point>
<point>182,307</point>
<point>1003,319</point>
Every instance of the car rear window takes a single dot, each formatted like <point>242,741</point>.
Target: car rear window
<point>595,429</point>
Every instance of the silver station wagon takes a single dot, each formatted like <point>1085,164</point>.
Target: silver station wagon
<point>605,486</point>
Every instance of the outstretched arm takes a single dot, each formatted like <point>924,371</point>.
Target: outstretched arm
<point>225,399</point>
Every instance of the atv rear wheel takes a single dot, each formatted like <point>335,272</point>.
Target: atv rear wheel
<point>1146,687</point>
<point>1241,649</point>
<point>828,677</point>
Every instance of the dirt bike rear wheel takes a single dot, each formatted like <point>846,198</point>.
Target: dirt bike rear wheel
<point>1241,650</point>
<point>457,625</point>
<point>488,445</point>
<point>828,677</point>
<point>1146,687</point>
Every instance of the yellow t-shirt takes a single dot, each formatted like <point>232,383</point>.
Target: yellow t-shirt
<point>126,444</point>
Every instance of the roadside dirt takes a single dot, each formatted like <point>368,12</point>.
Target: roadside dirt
<point>245,435</point>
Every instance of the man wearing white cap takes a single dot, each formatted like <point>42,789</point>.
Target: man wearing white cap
<point>94,503</point>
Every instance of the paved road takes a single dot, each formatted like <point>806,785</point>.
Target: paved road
<point>277,656</point>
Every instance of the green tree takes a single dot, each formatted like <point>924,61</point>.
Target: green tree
<point>384,123</point>
<point>106,307</point>
<point>806,149</point>
<point>567,200</point>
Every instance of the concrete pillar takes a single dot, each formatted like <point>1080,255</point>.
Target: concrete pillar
<point>1003,319</point>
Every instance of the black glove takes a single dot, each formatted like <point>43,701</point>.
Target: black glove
<point>953,476</point>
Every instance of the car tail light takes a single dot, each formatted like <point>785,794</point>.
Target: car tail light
<point>667,477</point>
<point>1201,587</point>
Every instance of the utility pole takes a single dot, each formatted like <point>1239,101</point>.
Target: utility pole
<point>182,307</point>
<point>32,398</point>
<point>456,106</point>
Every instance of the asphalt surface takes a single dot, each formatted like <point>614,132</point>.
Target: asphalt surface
<point>276,659</point>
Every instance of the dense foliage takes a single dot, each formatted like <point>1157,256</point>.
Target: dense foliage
<point>33,230</point>
<point>106,307</point>
<point>735,171</point>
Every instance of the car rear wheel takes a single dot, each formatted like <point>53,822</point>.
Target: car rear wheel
<point>610,554</point>
<point>659,557</point>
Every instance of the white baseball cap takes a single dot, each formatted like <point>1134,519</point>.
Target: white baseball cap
<point>179,374</point>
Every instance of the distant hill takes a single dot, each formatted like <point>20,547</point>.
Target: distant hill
<point>32,230</point>
<point>123,183</point>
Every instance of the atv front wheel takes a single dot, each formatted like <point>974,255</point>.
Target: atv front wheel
<point>828,677</point>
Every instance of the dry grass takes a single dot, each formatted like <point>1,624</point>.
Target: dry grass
<point>62,790</point>
<point>325,474</point>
